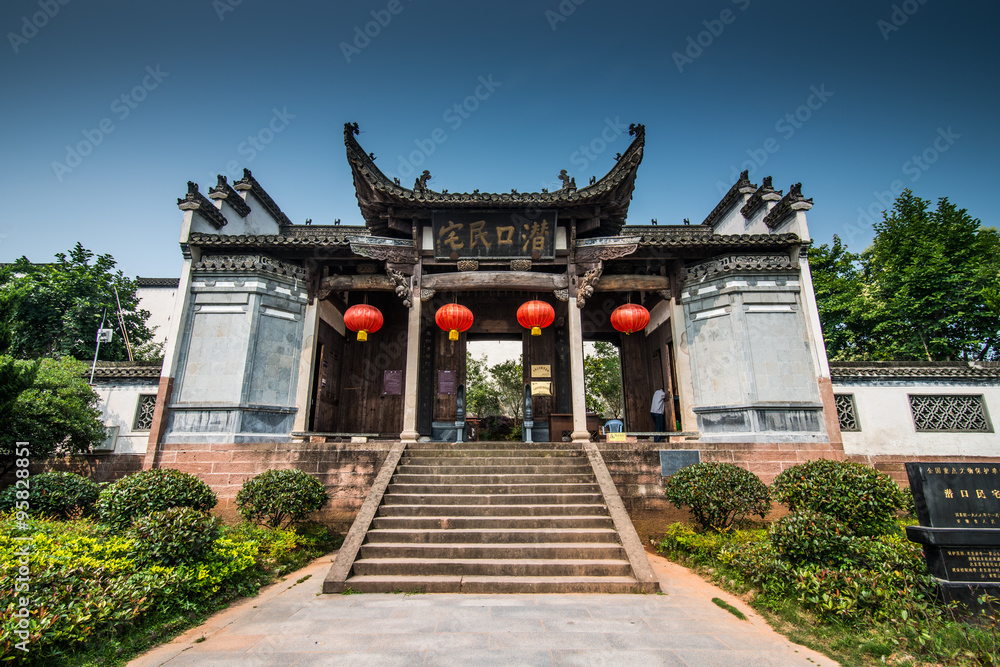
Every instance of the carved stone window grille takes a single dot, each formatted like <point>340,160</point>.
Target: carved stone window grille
<point>961,413</point>
<point>144,412</point>
<point>847,412</point>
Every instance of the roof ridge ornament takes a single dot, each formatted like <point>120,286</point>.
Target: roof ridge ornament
<point>195,201</point>
<point>567,182</point>
<point>226,193</point>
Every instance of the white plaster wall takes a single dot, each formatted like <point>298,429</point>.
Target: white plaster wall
<point>257,223</point>
<point>118,406</point>
<point>887,424</point>
<point>732,221</point>
<point>159,301</point>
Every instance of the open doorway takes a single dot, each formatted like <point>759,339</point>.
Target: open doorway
<point>494,387</point>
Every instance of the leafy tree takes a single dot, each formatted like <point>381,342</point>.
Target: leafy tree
<point>480,390</point>
<point>52,310</point>
<point>602,373</point>
<point>508,377</point>
<point>927,287</point>
<point>55,410</point>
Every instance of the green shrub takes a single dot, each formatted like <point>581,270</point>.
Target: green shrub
<point>55,494</point>
<point>175,535</point>
<point>809,537</point>
<point>857,495</point>
<point>719,494</point>
<point>150,491</point>
<point>277,497</point>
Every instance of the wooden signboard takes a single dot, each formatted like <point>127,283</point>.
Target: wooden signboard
<point>392,383</point>
<point>446,382</point>
<point>494,234</point>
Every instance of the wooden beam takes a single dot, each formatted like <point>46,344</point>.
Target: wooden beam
<point>373,282</point>
<point>631,283</point>
<point>493,280</point>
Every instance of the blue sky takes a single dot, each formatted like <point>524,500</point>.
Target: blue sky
<point>850,98</point>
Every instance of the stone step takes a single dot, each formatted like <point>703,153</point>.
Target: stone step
<point>492,510</point>
<point>546,550</point>
<point>496,463</point>
<point>447,522</point>
<point>450,478</point>
<point>493,536</point>
<point>374,583</point>
<point>495,454</point>
<point>492,489</point>
<point>494,567</point>
<point>400,498</point>
<point>495,445</point>
<point>564,469</point>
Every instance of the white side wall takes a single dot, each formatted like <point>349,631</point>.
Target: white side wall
<point>119,401</point>
<point>159,301</point>
<point>887,424</point>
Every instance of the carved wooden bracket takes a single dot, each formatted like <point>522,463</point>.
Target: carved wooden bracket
<point>585,289</point>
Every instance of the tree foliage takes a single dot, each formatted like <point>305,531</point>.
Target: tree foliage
<point>480,393</point>
<point>54,410</point>
<point>52,310</point>
<point>602,372</point>
<point>927,288</point>
<point>508,378</point>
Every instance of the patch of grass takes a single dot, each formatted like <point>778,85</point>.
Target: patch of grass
<point>299,581</point>
<point>719,602</point>
<point>350,591</point>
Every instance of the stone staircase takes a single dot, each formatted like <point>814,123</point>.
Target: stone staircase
<point>492,518</point>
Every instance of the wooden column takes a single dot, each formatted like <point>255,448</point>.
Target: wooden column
<point>577,381</point>
<point>410,433</point>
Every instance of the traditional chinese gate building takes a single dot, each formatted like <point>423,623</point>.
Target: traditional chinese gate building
<point>260,358</point>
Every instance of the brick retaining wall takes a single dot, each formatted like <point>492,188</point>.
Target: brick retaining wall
<point>347,470</point>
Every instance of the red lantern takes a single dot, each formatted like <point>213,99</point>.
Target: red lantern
<point>630,318</point>
<point>364,319</point>
<point>535,315</point>
<point>453,318</point>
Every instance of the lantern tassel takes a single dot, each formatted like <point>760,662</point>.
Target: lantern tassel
<point>453,334</point>
<point>362,335</point>
<point>536,331</point>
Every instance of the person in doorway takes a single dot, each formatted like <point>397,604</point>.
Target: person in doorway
<point>656,412</point>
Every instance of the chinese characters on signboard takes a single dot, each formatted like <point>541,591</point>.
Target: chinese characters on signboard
<point>961,495</point>
<point>494,234</point>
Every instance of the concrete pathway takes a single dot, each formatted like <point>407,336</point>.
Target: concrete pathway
<point>293,624</point>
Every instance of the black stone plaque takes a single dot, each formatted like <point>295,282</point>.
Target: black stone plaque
<point>494,234</point>
<point>446,382</point>
<point>958,505</point>
<point>392,383</point>
<point>672,460</point>
<point>956,495</point>
<point>970,564</point>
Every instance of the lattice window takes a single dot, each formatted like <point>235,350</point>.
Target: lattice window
<point>950,413</point>
<point>847,412</point>
<point>144,412</point>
